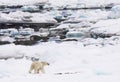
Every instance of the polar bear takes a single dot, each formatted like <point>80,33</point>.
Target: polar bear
<point>38,66</point>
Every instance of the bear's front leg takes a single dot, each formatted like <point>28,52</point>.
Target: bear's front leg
<point>38,71</point>
<point>35,71</point>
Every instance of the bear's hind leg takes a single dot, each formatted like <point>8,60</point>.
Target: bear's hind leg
<point>42,70</point>
<point>31,68</point>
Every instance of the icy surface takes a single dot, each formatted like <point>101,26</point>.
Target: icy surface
<point>21,2</point>
<point>69,61</point>
<point>88,60</point>
<point>110,26</point>
<point>20,16</point>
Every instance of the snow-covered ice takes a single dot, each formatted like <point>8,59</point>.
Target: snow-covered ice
<point>88,60</point>
<point>85,3</point>
<point>110,26</point>
<point>21,2</point>
<point>20,16</point>
<point>69,61</point>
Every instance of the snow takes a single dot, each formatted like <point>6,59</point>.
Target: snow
<point>87,60</point>
<point>86,3</point>
<point>79,63</point>
<point>115,12</point>
<point>62,3</point>
<point>110,26</point>
<point>20,16</point>
<point>88,16</point>
<point>6,38</point>
<point>21,2</point>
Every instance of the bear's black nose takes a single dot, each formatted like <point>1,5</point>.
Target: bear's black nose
<point>48,63</point>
